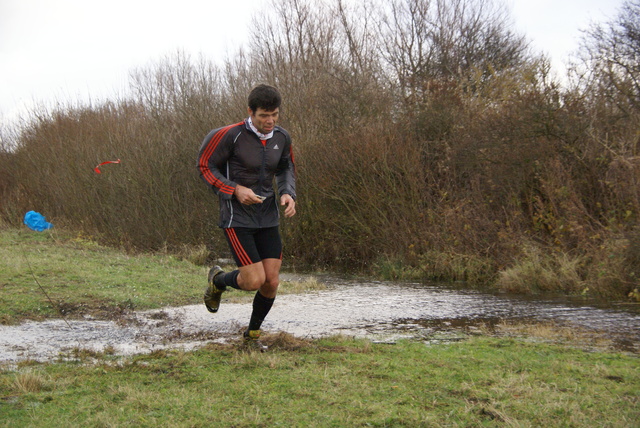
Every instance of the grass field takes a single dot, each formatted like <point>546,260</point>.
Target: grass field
<point>532,376</point>
<point>337,382</point>
<point>55,272</point>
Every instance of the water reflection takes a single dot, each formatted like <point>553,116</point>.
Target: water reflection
<point>381,311</point>
<point>359,307</point>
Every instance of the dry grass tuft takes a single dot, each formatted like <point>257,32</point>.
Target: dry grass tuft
<point>556,333</point>
<point>301,285</point>
<point>285,341</point>
<point>196,254</point>
<point>537,271</point>
<point>29,382</point>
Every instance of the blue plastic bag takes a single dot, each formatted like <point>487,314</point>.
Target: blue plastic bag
<point>36,221</point>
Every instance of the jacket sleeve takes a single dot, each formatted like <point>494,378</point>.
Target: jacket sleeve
<point>212,158</point>
<point>286,172</point>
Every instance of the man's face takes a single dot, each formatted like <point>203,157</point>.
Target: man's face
<point>264,120</point>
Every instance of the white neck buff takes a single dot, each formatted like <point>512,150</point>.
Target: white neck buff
<point>259,134</point>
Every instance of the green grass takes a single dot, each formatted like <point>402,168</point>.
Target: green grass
<point>81,277</point>
<point>334,382</point>
<point>538,376</point>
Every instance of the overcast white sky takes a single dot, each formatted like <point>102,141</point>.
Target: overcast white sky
<point>74,50</point>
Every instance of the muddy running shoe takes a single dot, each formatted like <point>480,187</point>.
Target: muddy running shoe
<point>252,342</point>
<point>213,294</point>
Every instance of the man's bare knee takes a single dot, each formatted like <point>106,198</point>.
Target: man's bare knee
<point>252,283</point>
<point>271,284</point>
<point>251,279</point>
<point>270,288</point>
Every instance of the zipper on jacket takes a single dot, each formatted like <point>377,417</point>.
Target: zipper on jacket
<point>263,167</point>
<point>263,172</point>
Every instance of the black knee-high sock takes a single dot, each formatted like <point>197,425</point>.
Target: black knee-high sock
<point>261,307</point>
<point>228,279</point>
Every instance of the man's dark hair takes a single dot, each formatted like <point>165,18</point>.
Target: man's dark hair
<point>265,97</point>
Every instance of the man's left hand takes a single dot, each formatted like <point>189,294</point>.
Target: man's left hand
<point>290,205</point>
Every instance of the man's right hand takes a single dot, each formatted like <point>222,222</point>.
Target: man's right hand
<point>246,195</point>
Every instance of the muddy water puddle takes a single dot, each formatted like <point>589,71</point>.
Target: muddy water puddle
<point>381,311</point>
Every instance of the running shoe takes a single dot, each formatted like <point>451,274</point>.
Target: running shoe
<point>252,341</point>
<point>213,294</point>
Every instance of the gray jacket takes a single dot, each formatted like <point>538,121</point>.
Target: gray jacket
<point>234,155</point>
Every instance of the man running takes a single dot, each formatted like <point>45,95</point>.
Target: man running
<point>239,163</point>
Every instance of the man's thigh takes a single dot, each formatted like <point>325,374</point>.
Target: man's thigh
<point>249,246</point>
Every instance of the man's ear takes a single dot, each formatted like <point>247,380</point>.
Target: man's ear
<point>249,111</point>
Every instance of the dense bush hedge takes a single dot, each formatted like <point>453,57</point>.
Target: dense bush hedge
<point>429,142</point>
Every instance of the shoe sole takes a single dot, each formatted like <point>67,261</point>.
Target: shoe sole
<point>211,308</point>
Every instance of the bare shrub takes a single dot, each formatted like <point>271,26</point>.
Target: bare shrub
<point>444,40</point>
<point>425,132</point>
<point>607,62</point>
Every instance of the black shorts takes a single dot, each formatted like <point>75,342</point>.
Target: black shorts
<point>249,245</point>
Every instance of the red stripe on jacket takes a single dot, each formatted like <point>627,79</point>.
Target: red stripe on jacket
<point>293,161</point>
<point>203,163</point>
